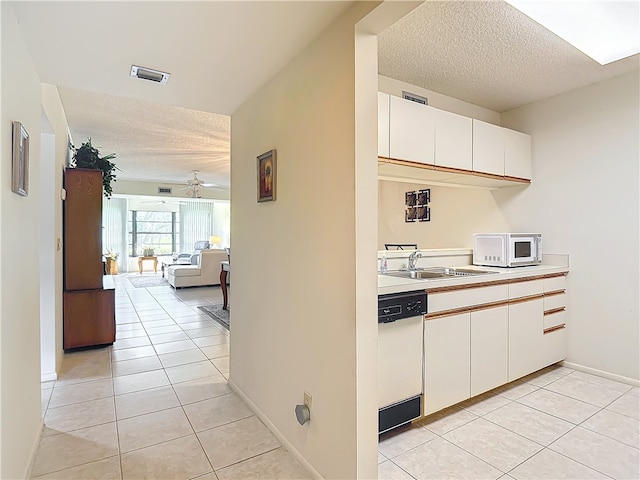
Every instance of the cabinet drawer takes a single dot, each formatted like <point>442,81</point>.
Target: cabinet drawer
<point>554,319</point>
<point>443,301</point>
<point>553,347</point>
<point>525,289</point>
<point>551,302</point>
<point>553,284</point>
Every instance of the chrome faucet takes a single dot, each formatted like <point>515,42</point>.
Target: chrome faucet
<point>413,258</point>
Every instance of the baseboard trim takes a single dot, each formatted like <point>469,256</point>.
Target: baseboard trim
<point>601,373</point>
<point>283,441</point>
<point>47,377</point>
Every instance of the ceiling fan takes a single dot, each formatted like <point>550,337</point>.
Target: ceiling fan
<point>195,185</point>
<point>164,202</point>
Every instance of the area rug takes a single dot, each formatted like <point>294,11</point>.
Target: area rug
<point>217,313</point>
<point>143,281</point>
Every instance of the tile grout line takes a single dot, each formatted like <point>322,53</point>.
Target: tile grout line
<point>178,398</point>
<point>543,447</point>
<point>115,412</point>
<point>112,377</point>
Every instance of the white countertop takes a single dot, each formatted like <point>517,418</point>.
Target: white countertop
<point>552,264</point>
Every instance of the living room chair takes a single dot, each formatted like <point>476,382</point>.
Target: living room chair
<point>192,258</point>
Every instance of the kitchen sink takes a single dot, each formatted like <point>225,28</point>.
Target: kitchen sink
<point>440,272</point>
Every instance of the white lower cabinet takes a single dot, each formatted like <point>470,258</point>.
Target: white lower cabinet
<point>482,337</point>
<point>446,361</point>
<point>456,299</point>
<point>489,349</point>
<point>525,338</point>
<point>552,350</point>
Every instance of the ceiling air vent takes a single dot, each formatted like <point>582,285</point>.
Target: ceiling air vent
<point>149,74</point>
<point>165,190</point>
<point>415,98</point>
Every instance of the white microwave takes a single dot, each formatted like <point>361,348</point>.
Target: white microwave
<point>507,249</point>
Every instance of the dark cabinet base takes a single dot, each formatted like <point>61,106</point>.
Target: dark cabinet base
<point>89,318</point>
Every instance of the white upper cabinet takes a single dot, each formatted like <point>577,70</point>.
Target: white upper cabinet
<point>501,151</point>
<point>517,154</point>
<point>488,148</point>
<point>419,133</point>
<point>411,131</point>
<point>453,140</point>
<point>383,124</point>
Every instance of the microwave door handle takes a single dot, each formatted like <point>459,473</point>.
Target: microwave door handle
<point>539,249</point>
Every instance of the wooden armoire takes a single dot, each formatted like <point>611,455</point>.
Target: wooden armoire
<point>89,295</point>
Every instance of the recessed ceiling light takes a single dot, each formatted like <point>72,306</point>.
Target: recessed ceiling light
<point>149,74</point>
<point>604,30</point>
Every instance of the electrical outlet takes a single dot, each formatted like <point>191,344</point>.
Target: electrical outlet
<point>307,400</point>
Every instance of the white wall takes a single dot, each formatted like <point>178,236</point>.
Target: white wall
<point>294,312</point>
<point>585,200</point>
<point>20,404</point>
<point>47,244</point>
<point>456,214</point>
<point>52,107</point>
<point>438,100</point>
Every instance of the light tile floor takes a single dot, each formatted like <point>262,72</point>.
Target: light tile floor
<point>555,424</point>
<point>156,404</point>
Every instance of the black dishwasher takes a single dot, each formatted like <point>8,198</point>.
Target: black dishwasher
<point>400,357</point>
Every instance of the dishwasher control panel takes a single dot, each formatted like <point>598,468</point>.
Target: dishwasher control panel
<point>396,306</point>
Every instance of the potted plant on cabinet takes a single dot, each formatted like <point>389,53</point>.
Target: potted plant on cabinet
<point>87,156</point>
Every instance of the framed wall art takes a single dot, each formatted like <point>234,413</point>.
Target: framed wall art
<point>410,199</point>
<point>410,214</point>
<point>20,160</point>
<point>417,206</point>
<point>267,176</point>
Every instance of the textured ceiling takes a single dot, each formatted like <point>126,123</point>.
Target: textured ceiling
<point>486,53</point>
<point>151,140</point>
<point>219,53</point>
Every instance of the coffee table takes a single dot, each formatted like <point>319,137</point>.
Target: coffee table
<point>168,261</point>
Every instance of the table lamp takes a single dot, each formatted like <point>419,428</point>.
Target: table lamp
<point>214,241</point>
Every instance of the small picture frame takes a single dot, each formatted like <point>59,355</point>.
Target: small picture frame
<point>267,176</point>
<point>20,160</point>
<point>410,214</point>
<point>410,199</point>
<point>423,213</point>
<point>424,196</point>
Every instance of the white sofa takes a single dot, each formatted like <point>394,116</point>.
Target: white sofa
<point>205,272</point>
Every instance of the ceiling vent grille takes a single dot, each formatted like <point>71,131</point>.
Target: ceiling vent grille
<point>149,74</point>
<point>165,190</point>
<point>415,98</point>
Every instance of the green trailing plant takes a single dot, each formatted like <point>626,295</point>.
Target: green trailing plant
<point>87,156</point>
